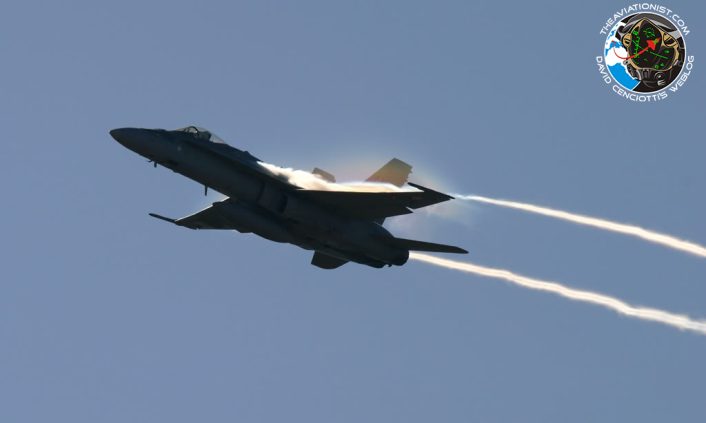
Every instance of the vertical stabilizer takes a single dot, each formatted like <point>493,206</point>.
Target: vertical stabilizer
<point>395,172</point>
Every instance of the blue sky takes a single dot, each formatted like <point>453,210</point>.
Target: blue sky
<point>108,315</point>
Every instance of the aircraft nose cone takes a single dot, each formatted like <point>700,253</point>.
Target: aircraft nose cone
<point>124,135</point>
<point>145,142</point>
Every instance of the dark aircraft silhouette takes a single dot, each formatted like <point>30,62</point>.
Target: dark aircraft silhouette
<point>340,226</point>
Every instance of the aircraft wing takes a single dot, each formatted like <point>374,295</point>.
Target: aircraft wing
<point>209,218</point>
<point>375,205</point>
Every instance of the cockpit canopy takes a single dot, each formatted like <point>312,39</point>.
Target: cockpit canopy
<point>202,134</point>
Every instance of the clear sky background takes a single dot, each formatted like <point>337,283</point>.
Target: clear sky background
<point>108,315</point>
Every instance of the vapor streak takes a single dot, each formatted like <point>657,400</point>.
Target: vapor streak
<point>308,180</point>
<point>675,320</point>
<point>635,231</point>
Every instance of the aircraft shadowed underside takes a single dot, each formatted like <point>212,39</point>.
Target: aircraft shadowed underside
<point>339,226</point>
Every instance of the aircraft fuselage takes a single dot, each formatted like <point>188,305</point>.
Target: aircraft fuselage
<point>261,202</point>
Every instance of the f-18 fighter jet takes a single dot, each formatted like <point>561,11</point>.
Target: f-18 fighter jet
<point>337,225</point>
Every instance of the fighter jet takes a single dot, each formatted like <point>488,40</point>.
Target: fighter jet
<point>339,226</point>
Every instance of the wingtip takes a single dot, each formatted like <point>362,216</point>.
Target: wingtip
<point>166,219</point>
<point>455,250</point>
<point>429,190</point>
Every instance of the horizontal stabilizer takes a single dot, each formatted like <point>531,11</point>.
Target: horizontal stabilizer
<point>326,261</point>
<point>413,245</point>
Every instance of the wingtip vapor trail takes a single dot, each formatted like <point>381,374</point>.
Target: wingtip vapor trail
<point>678,321</point>
<point>308,180</point>
<point>630,230</point>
